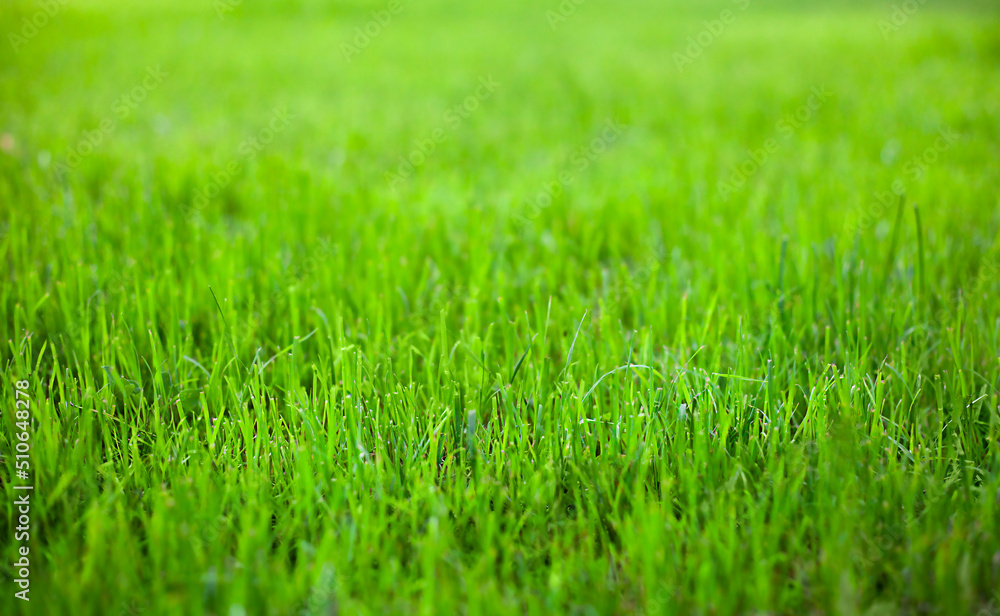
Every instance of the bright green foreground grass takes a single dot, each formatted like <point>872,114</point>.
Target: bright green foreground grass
<point>657,394</point>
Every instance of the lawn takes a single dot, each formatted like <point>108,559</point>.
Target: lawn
<point>558,307</point>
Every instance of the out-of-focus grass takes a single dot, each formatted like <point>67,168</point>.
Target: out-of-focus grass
<point>450,393</point>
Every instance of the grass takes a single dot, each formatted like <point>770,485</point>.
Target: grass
<point>308,330</point>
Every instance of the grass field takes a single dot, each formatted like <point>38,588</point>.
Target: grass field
<point>534,308</point>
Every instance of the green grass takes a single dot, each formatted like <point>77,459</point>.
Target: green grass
<point>552,368</point>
